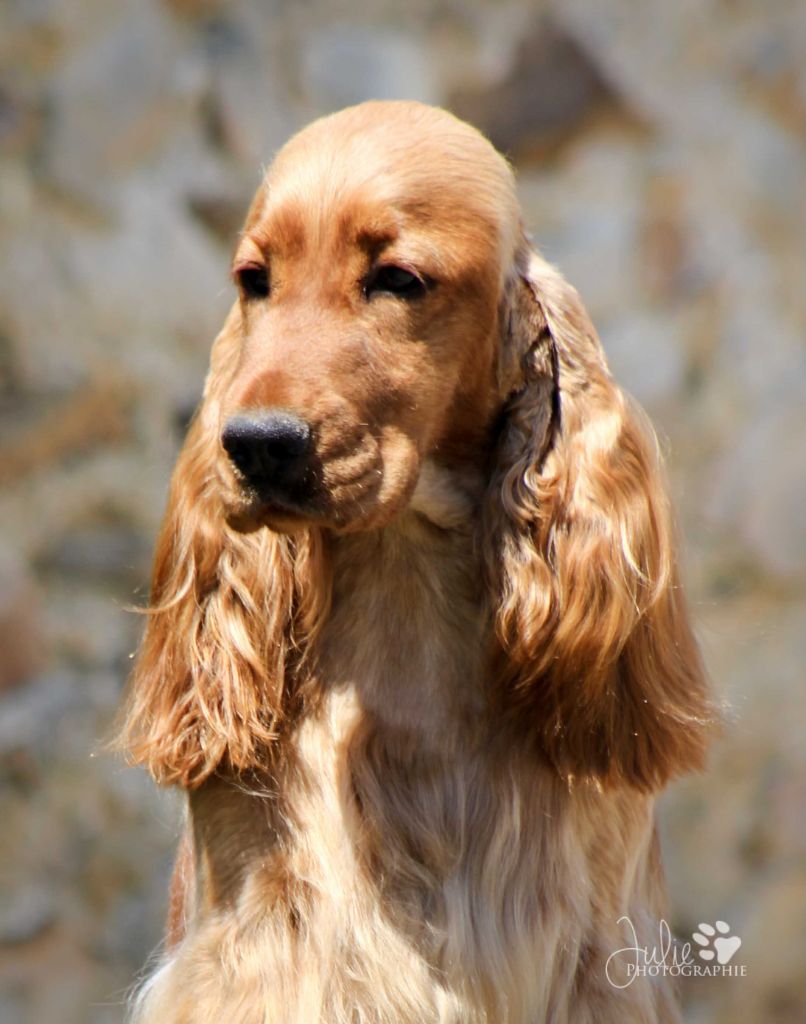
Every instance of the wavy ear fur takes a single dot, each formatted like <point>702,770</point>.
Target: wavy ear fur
<point>228,615</point>
<point>597,657</point>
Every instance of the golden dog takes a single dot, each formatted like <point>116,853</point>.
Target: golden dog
<point>417,650</point>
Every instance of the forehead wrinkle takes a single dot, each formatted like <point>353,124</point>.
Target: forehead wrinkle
<point>282,229</point>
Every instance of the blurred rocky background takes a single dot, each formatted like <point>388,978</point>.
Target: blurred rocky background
<point>660,148</point>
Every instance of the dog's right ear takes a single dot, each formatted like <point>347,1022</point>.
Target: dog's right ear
<point>208,686</point>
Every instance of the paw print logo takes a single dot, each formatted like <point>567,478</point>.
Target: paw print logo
<point>716,942</point>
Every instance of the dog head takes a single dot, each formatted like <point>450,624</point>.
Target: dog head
<point>366,334</point>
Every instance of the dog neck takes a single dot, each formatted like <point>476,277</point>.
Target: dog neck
<point>407,630</point>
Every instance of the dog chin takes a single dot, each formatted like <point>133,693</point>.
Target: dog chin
<point>247,513</point>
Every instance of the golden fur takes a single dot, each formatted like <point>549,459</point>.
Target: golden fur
<point>420,725</point>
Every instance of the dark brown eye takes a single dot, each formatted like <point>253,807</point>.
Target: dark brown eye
<point>252,279</point>
<point>394,281</point>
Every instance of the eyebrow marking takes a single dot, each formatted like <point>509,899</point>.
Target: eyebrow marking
<point>373,237</point>
<point>281,229</point>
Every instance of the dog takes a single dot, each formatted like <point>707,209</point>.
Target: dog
<point>417,651</point>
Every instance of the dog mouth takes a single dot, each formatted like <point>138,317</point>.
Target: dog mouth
<point>335,497</point>
<point>248,508</point>
<point>350,502</point>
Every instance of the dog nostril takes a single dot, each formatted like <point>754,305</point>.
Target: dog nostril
<point>237,450</point>
<point>266,447</point>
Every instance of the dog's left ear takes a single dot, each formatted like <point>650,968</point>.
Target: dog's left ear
<point>596,655</point>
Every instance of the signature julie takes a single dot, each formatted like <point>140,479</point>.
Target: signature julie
<point>668,956</point>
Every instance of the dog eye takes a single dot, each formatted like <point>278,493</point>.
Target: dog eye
<point>253,280</point>
<point>395,281</point>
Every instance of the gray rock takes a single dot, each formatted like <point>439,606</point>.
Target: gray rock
<point>113,102</point>
<point>13,1008</point>
<point>759,489</point>
<point>551,88</point>
<point>29,913</point>
<point>646,356</point>
<point>30,717</point>
<point>100,551</point>
<point>346,64</point>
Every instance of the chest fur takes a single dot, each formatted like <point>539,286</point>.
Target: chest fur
<point>406,864</point>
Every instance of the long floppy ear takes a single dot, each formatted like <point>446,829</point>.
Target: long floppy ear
<point>228,611</point>
<point>597,657</point>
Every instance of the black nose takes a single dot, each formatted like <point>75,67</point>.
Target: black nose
<point>269,450</point>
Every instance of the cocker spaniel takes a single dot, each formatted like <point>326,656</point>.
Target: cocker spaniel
<point>417,651</point>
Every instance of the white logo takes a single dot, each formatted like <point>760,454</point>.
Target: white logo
<point>722,946</point>
<point>674,958</point>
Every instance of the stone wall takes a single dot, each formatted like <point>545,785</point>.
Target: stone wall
<point>660,148</point>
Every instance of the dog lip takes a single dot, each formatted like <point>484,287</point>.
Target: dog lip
<point>271,501</point>
<point>256,508</point>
